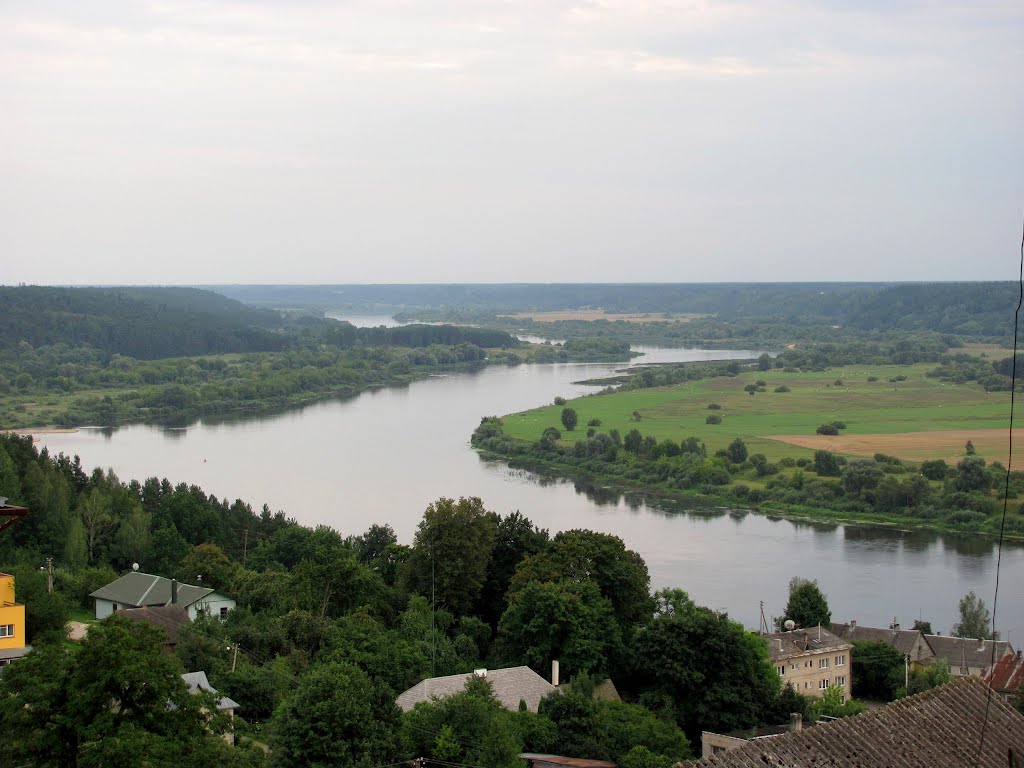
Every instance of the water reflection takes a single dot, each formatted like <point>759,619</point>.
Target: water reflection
<point>339,462</point>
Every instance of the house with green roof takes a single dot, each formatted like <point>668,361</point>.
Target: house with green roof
<point>142,590</point>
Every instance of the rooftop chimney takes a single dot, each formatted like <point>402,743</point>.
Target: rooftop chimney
<point>796,721</point>
<point>174,591</point>
<point>554,672</point>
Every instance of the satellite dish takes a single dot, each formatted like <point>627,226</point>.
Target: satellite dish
<point>790,625</point>
<point>135,566</point>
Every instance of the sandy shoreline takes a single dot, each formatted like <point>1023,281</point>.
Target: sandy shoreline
<point>42,431</point>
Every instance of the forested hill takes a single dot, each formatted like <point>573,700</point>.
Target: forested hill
<point>969,309</point>
<point>144,323</point>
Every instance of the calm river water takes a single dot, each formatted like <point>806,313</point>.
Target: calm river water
<point>383,456</point>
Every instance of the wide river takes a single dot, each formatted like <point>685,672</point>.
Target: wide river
<point>383,456</point>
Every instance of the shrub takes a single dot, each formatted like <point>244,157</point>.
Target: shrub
<point>594,423</point>
<point>837,383</point>
<point>782,388</point>
<point>934,469</point>
<point>872,378</point>
<point>901,377</point>
<point>827,429</point>
<point>713,418</point>
<point>761,383</point>
<point>839,424</point>
<point>714,407</point>
<point>559,401</point>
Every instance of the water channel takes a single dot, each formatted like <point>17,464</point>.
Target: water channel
<point>382,456</point>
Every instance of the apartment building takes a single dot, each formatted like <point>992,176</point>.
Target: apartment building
<point>811,660</point>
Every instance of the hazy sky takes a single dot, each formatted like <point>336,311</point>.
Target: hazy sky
<point>378,141</point>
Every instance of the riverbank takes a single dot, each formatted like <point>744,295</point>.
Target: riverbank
<point>883,445</point>
<point>605,489</point>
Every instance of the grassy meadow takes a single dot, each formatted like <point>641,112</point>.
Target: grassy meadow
<point>881,416</point>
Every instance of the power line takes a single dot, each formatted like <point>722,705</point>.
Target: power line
<point>1006,492</point>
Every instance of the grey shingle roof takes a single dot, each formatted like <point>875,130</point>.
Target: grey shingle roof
<point>197,681</point>
<point>966,651</point>
<point>786,645</point>
<point>902,640</point>
<point>510,686</point>
<point>939,728</point>
<point>140,589</point>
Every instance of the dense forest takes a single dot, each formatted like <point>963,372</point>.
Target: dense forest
<point>968,309</point>
<point>330,627</point>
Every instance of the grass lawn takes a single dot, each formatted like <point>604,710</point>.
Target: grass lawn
<point>883,407</point>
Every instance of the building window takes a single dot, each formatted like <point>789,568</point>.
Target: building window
<point>841,661</point>
<point>794,665</point>
<point>823,663</point>
<point>808,663</point>
<point>781,670</point>
<point>223,612</point>
<point>840,680</point>
<point>823,684</point>
<point>6,630</point>
<point>807,685</point>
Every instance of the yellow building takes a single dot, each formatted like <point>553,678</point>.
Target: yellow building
<point>12,623</point>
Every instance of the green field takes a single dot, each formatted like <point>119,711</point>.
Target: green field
<point>918,404</point>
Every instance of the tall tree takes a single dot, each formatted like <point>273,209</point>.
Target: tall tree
<point>451,551</point>
<point>705,670</point>
<point>337,716</point>
<point>807,605</point>
<point>566,620</point>
<point>516,539</point>
<point>578,555</point>
<point>975,620</point>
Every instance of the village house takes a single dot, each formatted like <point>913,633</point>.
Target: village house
<point>966,656</point>
<point>939,728</point>
<point>1007,676</point>
<point>811,660</point>
<point>12,623</point>
<point>141,590</point>
<point>510,686</point>
<point>196,682</point>
<point>909,642</point>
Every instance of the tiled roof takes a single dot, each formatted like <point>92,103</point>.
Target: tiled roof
<point>170,618</point>
<point>902,640</point>
<point>510,686</point>
<point>197,681</point>
<point>940,728</point>
<point>1008,674</point>
<point>140,589</point>
<point>801,642</point>
<point>966,651</point>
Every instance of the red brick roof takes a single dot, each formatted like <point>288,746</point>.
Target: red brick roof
<point>1008,674</point>
<point>940,728</point>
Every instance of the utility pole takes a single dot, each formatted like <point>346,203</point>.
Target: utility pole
<point>764,621</point>
<point>49,575</point>
<point>245,545</point>
<point>433,635</point>
<point>906,673</point>
<point>234,658</point>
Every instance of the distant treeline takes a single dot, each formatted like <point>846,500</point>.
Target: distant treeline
<point>144,323</point>
<point>156,323</point>
<point>969,309</point>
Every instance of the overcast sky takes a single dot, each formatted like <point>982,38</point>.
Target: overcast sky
<point>414,141</point>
